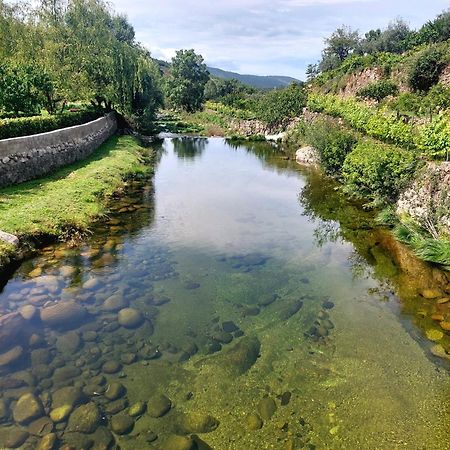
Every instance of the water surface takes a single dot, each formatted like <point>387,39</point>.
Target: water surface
<point>253,279</point>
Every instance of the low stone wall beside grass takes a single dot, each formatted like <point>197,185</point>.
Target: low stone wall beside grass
<point>28,157</point>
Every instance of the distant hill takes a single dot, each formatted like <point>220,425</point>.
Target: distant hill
<point>256,81</point>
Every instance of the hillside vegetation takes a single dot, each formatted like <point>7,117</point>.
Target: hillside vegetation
<point>381,106</point>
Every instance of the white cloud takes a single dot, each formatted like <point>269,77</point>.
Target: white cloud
<point>264,37</point>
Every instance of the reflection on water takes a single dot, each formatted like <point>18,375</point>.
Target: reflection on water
<point>239,303</point>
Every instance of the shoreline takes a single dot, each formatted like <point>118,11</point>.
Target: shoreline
<point>67,202</point>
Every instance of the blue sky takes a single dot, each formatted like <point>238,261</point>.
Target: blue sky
<point>278,37</point>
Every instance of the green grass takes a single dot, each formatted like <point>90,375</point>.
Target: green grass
<point>72,198</point>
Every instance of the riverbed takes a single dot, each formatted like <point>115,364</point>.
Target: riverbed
<point>239,301</point>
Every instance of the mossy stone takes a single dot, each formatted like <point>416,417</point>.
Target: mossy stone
<point>158,406</point>
<point>254,422</point>
<point>266,408</point>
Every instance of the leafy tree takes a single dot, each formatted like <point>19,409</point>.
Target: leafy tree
<point>275,106</point>
<point>187,81</point>
<point>394,39</point>
<point>437,30</point>
<point>312,70</point>
<point>22,89</point>
<point>338,47</point>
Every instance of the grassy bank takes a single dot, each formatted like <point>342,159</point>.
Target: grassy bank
<point>68,201</point>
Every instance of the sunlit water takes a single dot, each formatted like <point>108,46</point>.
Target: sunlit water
<point>255,288</point>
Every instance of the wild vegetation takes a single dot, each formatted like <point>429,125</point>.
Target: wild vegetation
<point>398,115</point>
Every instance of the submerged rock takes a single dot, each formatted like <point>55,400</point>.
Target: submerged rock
<point>28,408</point>
<point>111,367</point>
<point>291,309</point>
<point>137,409</point>
<point>198,423</point>
<point>130,318</point>
<point>63,314</point>
<point>122,423</point>
<point>13,437</point>
<point>47,442</point>
<point>430,294</point>
<point>158,406</point>
<point>114,303</point>
<point>115,390</point>
<point>85,418</point>
<point>175,442</point>
<point>239,358</point>
<point>266,408</point>
<point>11,356</point>
<point>253,422</point>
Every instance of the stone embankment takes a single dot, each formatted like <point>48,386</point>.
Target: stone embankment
<point>28,157</point>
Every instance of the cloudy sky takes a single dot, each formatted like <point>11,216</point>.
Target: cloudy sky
<point>263,37</point>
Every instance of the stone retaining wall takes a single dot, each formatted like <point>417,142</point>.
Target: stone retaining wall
<point>28,157</point>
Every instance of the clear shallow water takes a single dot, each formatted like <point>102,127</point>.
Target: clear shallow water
<point>252,280</point>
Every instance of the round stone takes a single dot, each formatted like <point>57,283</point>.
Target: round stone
<point>130,318</point>
<point>28,408</point>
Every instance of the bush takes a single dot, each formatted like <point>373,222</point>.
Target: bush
<point>426,69</point>
<point>378,90</point>
<point>25,126</point>
<point>331,141</point>
<point>274,107</point>
<point>378,171</point>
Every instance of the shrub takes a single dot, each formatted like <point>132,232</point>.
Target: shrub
<point>378,171</point>
<point>25,126</point>
<point>275,106</point>
<point>378,90</point>
<point>331,141</point>
<point>426,69</point>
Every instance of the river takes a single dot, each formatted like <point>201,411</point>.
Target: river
<point>240,299</point>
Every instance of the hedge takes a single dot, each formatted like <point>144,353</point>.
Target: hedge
<point>25,126</point>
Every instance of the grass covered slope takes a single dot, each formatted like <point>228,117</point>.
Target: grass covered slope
<point>72,198</point>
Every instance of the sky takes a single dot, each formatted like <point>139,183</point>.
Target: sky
<point>277,37</point>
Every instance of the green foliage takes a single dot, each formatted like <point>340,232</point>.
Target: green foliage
<point>394,39</point>
<point>332,142</point>
<point>338,47</point>
<point>187,81</point>
<point>378,90</point>
<point>24,126</point>
<point>426,69</point>
<point>407,104</point>
<point>24,88</point>
<point>437,30</point>
<point>378,171</point>
<point>275,106</point>
<point>387,217</point>
<point>379,124</point>
<point>228,92</point>
<point>85,52</point>
<point>434,138</point>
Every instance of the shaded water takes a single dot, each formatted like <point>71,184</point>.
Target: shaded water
<point>263,308</point>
